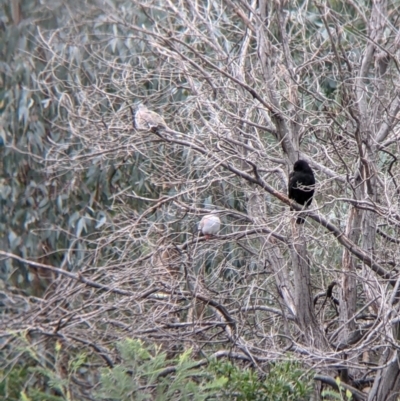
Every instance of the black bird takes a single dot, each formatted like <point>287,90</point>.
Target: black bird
<point>301,185</point>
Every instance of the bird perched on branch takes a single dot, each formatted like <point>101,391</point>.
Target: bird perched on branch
<point>209,225</point>
<point>147,120</point>
<point>301,185</point>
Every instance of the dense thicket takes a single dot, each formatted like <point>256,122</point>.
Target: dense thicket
<point>98,220</point>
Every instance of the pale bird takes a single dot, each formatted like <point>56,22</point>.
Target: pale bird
<point>209,225</point>
<point>146,120</point>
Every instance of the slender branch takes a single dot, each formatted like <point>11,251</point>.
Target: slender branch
<point>358,395</point>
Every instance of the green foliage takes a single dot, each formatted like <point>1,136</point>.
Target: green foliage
<point>285,381</point>
<point>148,375</point>
<point>24,382</point>
<point>145,375</point>
<point>12,382</point>
<point>38,376</point>
<point>342,395</point>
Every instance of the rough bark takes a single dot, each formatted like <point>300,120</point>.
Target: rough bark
<point>386,386</point>
<point>348,299</point>
<point>305,316</point>
<point>287,133</point>
<point>270,248</point>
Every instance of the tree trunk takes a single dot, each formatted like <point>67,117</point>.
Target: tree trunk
<point>387,381</point>
<point>305,316</point>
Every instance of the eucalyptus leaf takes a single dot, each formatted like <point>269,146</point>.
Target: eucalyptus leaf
<point>73,218</point>
<point>101,220</point>
<point>5,190</point>
<point>44,202</point>
<point>14,240</point>
<point>80,226</point>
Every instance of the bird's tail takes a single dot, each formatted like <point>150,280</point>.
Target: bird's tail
<point>300,220</point>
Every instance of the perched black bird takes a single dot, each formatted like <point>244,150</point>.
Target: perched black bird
<point>301,185</point>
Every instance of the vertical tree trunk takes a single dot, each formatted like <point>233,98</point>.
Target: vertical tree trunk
<point>256,209</point>
<point>387,381</point>
<point>287,130</point>
<point>348,299</point>
<point>16,11</point>
<point>305,316</point>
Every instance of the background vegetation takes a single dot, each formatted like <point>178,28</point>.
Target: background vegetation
<point>106,289</point>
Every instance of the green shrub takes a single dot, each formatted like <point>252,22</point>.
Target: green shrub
<point>285,381</point>
<point>143,375</point>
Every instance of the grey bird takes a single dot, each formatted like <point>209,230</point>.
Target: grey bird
<point>147,120</point>
<point>209,225</point>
